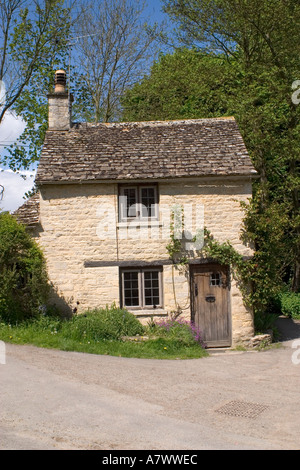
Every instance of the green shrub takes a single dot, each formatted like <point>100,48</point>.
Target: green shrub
<point>109,323</point>
<point>44,324</point>
<point>24,284</point>
<point>264,321</point>
<point>290,304</point>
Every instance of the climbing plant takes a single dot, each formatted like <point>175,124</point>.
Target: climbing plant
<point>175,247</point>
<point>224,253</point>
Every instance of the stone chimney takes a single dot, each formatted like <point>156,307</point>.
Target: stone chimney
<point>59,104</point>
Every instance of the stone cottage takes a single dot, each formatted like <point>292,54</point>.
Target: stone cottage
<point>112,197</point>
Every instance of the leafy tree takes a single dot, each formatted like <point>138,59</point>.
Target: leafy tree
<point>256,31</point>
<point>264,36</point>
<point>24,284</point>
<point>112,50</point>
<point>33,37</point>
<point>261,42</point>
<point>185,84</point>
<point>110,45</point>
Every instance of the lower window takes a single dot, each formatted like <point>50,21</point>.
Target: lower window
<point>142,287</point>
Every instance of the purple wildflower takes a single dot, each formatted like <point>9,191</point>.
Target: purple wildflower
<point>169,323</point>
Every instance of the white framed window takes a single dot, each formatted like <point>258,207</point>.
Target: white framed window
<point>141,288</point>
<point>139,202</point>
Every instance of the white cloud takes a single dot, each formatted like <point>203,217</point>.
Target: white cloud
<point>15,186</point>
<point>10,128</point>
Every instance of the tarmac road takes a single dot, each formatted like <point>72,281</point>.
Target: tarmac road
<point>55,400</point>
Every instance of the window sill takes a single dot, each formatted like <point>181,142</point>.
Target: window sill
<point>148,312</point>
<point>139,223</point>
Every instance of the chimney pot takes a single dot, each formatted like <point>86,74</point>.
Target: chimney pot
<point>60,81</point>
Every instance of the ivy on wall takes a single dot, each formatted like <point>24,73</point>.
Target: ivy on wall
<point>223,253</point>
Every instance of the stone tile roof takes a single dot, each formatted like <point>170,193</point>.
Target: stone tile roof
<point>29,213</point>
<point>144,150</point>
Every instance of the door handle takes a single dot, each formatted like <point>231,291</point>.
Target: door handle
<point>196,290</point>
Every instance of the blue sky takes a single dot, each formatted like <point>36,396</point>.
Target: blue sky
<point>16,185</point>
<point>155,7</point>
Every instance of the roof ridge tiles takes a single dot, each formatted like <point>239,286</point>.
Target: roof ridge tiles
<point>190,147</point>
<point>166,123</point>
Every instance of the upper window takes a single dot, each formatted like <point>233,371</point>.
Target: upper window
<point>138,202</point>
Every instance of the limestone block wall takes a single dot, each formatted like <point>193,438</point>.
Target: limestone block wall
<point>59,111</point>
<point>79,225</point>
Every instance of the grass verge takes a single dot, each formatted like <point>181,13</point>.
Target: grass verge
<point>63,335</point>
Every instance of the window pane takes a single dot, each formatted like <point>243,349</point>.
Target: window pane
<point>131,291</point>
<point>130,202</point>
<point>149,274</point>
<point>151,288</point>
<point>148,202</point>
<point>131,284</point>
<point>215,279</point>
<point>152,300</point>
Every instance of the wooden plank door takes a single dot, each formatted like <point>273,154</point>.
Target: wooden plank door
<point>210,303</point>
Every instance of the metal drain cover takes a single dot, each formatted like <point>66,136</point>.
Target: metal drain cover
<point>242,409</point>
